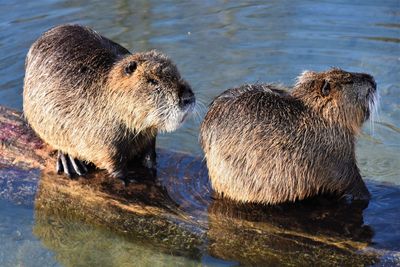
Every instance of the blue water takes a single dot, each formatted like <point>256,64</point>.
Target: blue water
<point>19,246</point>
<point>217,45</point>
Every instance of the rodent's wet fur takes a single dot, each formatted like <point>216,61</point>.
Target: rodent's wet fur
<point>266,144</point>
<point>92,99</point>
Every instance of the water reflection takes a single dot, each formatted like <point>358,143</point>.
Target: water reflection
<point>229,237</point>
<point>176,214</point>
<point>314,232</point>
<point>78,244</point>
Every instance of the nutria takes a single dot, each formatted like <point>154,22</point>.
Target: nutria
<point>94,101</point>
<point>264,144</point>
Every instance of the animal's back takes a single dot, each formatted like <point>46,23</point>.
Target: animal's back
<point>248,106</point>
<point>73,54</point>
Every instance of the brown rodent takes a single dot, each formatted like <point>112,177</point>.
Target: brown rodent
<point>94,101</point>
<point>267,145</point>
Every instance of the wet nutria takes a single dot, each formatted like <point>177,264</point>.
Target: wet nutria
<point>94,101</point>
<point>264,144</point>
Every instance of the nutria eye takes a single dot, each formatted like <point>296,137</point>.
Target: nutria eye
<point>131,67</point>
<point>152,81</point>
<point>326,88</point>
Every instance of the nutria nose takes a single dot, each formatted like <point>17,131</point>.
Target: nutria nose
<point>370,79</point>
<point>373,83</point>
<point>186,96</point>
<point>186,99</point>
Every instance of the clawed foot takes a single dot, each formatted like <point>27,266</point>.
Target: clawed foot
<point>69,165</point>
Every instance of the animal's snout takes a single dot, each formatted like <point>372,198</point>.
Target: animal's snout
<point>370,79</point>
<point>187,101</point>
<point>186,96</point>
<point>373,84</point>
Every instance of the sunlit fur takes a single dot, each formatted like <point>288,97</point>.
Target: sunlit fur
<point>265,144</point>
<point>79,98</point>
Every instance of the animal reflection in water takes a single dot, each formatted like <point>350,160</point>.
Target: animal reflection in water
<point>176,213</point>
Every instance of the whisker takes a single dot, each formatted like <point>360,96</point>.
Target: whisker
<point>373,106</point>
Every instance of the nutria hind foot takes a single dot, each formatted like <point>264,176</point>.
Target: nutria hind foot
<point>69,165</point>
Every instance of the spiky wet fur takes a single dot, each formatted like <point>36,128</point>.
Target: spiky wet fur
<point>264,144</point>
<point>80,100</point>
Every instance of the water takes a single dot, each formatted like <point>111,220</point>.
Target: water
<point>217,45</point>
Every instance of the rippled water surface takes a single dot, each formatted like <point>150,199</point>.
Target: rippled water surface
<point>217,45</point>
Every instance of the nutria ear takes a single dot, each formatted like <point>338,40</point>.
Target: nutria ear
<point>326,88</point>
<point>131,67</point>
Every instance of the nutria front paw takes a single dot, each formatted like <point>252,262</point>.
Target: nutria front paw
<point>69,165</point>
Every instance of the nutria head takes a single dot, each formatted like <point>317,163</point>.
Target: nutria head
<point>147,91</point>
<point>341,97</point>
